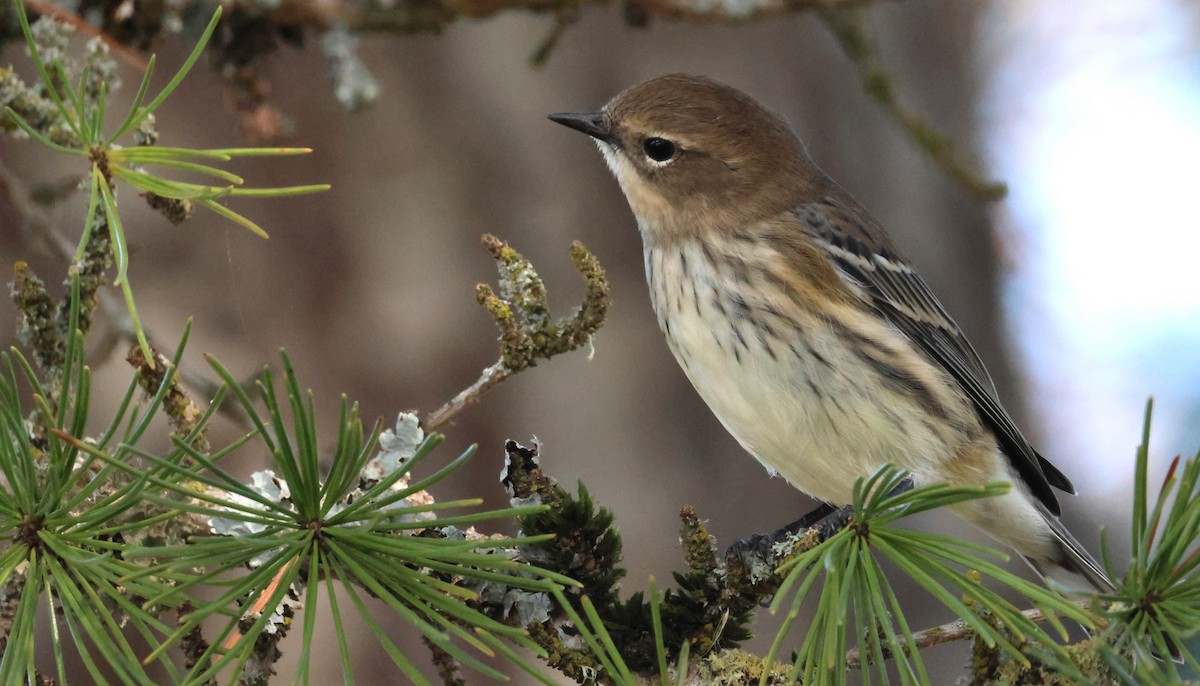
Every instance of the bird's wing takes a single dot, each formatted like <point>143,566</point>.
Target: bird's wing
<point>900,295</point>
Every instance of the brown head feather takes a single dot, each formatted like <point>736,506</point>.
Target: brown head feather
<point>737,162</point>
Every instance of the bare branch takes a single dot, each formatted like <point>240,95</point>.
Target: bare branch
<point>490,378</point>
<point>845,22</point>
<point>949,632</point>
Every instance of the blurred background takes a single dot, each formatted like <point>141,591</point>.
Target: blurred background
<point>1079,289</point>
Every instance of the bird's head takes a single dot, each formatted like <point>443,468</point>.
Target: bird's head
<point>694,155</point>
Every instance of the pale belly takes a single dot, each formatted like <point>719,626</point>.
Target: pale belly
<point>787,386</point>
<point>791,388</point>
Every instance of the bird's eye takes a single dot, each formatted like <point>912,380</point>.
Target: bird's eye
<point>659,149</point>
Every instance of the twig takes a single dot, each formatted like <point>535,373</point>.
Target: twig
<point>408,17</point>
<point>729,12</point>
<point>958,630</point>
<point>448,669</point>
<point>563,20</point>
<point>192,644</point>
<point>490,378</point>
<point>527,331</point>
<point>182,414</point>
<point>845,22</point>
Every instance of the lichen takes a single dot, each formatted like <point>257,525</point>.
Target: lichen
<point>39,329</point>
<point>527,331</point>
<point>353,85</point>
<point>737,667</point>
<point>182,413</point>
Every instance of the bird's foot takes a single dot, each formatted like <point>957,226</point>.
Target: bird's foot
<point>827,519</point>
<point>754,547</point>
<point>758,546</point>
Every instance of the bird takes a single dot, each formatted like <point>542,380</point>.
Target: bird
<point>802,325</point>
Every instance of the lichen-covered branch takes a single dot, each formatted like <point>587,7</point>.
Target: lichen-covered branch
<point>715,599</point>
<point>949,632</point>
<point>255,28</point>
<point>527,330</point>
<point>181,412</point>
<point>433,16</point>
<point>587,547</point>
<point>39,329</point>
<point>990,668</point>
<point>448,669</point>
<point>44,321</point>
<point>710,610</point>
<point>32,107</point>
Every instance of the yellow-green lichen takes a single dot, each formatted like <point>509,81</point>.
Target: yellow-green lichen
<point>182,414</point>
<point>527,331</point>
<point>738,667</point>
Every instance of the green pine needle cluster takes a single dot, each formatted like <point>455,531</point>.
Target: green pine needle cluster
<point>65,517</point>
<point>856,598</point>
<point>82,109</point>
<point>1155,611</point>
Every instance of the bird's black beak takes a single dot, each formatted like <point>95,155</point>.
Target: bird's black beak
<point>591,123</point>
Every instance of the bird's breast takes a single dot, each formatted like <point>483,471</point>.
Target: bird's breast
<point>819,394</point>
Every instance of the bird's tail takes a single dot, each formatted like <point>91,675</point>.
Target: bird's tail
<point>1073,571</point>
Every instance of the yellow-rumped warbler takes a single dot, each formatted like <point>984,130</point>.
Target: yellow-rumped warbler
<point>802,325</point>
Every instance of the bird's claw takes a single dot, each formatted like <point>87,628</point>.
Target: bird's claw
<point>754,547</point>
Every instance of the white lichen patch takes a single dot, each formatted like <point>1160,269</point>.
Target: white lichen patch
<point>51,38</point>
<point>241,508</point>
<point>396,447</point>
<point>734,9</point>
<point>353,85</point>
<point>527,607</point>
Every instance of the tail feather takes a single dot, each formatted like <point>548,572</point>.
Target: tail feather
<point>1074,571</point>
